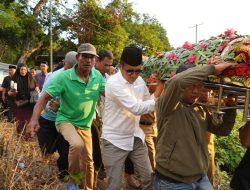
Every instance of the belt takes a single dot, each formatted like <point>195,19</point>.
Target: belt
<point>145,123</point>
<point>159,175</point>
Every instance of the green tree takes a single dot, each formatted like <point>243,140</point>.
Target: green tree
<point>115,26</point>
<point>29,33</point>
<point>148,33</point>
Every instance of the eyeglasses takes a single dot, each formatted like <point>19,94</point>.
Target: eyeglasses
<point>132,71</point>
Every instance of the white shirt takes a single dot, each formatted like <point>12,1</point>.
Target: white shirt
<point>124,103</point>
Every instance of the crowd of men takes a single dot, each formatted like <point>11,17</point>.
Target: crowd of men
<point>101,122</point>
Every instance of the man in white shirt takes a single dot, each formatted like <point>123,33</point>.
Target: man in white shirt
<point>126,98</point>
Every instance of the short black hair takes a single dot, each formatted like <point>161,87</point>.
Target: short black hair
<point>184,67</point>
<point>104,53</point>
<point>12,67</point>
<point>44,62</point>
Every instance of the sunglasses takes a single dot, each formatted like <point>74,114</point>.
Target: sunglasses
<point>131,71</point>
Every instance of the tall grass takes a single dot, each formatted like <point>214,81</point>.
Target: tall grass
<point>22,166</point>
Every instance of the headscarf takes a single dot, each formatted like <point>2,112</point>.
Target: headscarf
<point>25,84</point>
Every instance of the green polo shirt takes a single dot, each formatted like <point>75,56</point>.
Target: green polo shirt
<point>77,99</point>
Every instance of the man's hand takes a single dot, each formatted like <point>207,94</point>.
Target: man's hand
<point>54,104</point>
<point>231,100</point>
<point>32,128</point>
<point>159,88</point>
<point>3,98</point>
<point>33,125</point>
<point>12,92</point>
<point>222,66</point>
<point>37,89</point>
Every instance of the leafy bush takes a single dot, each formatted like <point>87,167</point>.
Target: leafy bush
<point>228,150</point>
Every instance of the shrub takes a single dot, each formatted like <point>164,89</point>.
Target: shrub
<point>228,150</point>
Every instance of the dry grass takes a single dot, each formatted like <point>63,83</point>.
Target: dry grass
<point>21,164</point>
<point>23,168</point>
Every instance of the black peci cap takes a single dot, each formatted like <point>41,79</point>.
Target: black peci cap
<point>132,56</point>
<point>12,67</point>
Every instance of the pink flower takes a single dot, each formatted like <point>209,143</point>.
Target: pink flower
<point>222,46</point>
<point>229,32</point>
<point>187,45</point>
<point>172,74</point>
<point>202,46</point>
<point>191,59</point>
<point>172,56</point>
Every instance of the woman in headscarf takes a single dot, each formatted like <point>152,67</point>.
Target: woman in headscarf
<point>26,85</point>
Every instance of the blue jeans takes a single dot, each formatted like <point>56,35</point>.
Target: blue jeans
<point>202,184</point>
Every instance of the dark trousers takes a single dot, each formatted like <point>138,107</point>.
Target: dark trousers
<point>23,115</point>
<point>50,141</point>
<point>8,105</point>
<point>97,155</point>
<point>241,178</point>
<point>129,166</point>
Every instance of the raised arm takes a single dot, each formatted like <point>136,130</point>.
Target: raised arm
<point>33,125</point>
<point>174,88</point>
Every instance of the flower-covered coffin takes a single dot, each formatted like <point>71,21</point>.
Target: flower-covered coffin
<point>227,47</point>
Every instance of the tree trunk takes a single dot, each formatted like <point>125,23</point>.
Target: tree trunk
<point>27,53</point>
<point>28,49</point>
<point>38,7</point>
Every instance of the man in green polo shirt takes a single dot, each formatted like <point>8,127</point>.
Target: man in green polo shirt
<point>79,89</point>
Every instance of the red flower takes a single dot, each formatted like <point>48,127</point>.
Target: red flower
<point>172,56</point>
<point>191,59</point>
<point>248,72</point>
<point>240,72</point>
<point>230,33</point>
<point>151,79</point>
<point>187,45</point>
<point>172,74</point>
<point>203,46</point>
<point>230,72</point>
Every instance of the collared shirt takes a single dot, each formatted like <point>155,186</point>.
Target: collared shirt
<point>48,113</point>
<point>124,103</point>
<point>100,103</point>
<point>40,78</point>
<point>77,99</point>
